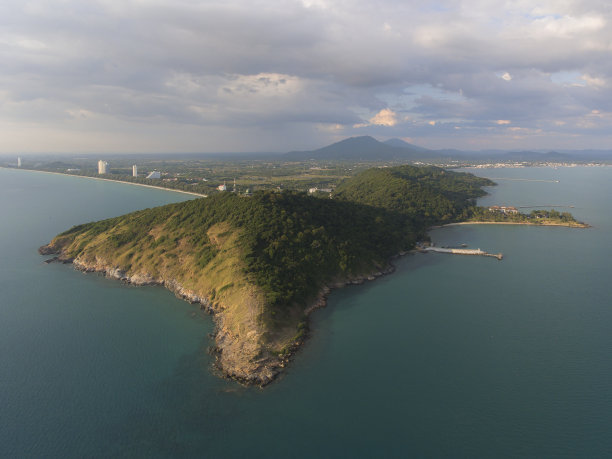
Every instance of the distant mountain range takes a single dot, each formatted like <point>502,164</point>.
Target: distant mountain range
<point>367,148</point>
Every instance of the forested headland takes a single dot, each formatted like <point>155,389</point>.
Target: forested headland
<point>261,262</point>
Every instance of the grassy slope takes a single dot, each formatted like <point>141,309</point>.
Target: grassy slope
<point>260,260</point>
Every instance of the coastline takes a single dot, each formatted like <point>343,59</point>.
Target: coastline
<point>266,370</point>
<point>244,356</point>
<point>228,348</point>
<point>110,180</point>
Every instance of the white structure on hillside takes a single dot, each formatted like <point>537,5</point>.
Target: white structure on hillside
<point>154,174</point>
<point>18,161</point>
<point>222,187</point>
<point>102,167</point>
<point>134,170</point>
<point>323,190</point>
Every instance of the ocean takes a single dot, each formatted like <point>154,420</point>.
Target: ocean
<point>450,356</point>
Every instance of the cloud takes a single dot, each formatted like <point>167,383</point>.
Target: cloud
<point>595,82</point>
<point>385,117</point>
<point>221,73</point>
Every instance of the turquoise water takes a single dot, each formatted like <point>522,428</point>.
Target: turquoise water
<point>449,357</point>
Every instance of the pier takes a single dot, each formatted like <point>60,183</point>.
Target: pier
<point>523,179</point>
<point>499,256</point>
<point>549,206</point>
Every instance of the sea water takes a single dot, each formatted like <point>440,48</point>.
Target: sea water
<point>451,356</point>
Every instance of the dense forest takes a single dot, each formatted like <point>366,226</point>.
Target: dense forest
<point>293,243</point>
<point>425,195</point>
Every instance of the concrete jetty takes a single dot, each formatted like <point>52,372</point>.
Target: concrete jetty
<point>499,256</point>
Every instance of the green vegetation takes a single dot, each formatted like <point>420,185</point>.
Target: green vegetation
<point>536,217</point>
<point>291,244</point>
<point>262,260</point>
<point>425,195</point>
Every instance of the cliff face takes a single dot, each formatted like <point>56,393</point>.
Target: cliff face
<point>244,351</point>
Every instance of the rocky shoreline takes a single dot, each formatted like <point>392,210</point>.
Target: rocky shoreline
<point>228,349</point>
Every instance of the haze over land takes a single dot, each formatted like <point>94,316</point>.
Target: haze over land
<point>181,76</point>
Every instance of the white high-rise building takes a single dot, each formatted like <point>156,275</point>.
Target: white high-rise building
<point>18,161</point>
<point>102,165</point>
<point>134,170</point>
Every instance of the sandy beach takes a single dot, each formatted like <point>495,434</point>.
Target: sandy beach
<point>513,223</point>
<point>112,180</point>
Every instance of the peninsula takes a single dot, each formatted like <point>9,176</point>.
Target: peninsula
<point>262,263</point>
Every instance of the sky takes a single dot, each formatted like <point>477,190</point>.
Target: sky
<point>279,75</point>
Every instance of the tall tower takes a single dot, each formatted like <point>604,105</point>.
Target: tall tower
<point>18,161</point>
<point>234,185</point>
<point>102,165</point>
<point>134,170</point>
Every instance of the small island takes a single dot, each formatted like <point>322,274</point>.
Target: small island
<point>261,264</point>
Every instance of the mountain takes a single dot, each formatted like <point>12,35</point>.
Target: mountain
<point>359,148</point>
<point>399,143</point>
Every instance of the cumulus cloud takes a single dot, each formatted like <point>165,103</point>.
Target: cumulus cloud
<point>385,117</point>
<point>278,75</point>
<point>595,82</point>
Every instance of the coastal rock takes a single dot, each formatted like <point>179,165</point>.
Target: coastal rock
<point>48,249</point>
<point>241,359</point>
<point>116,273</point>
<point>241,356</point>
<point>238,357</point>
<point>143,279</point>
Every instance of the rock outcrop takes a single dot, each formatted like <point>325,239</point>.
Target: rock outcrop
<point>241,357</point>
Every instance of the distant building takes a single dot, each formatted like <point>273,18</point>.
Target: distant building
<point>222,187</point>
<point>134,170</point>
<point>504,209</point>
<point>18,161</point>
<point>102,167</point>
<point>154,175</point>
